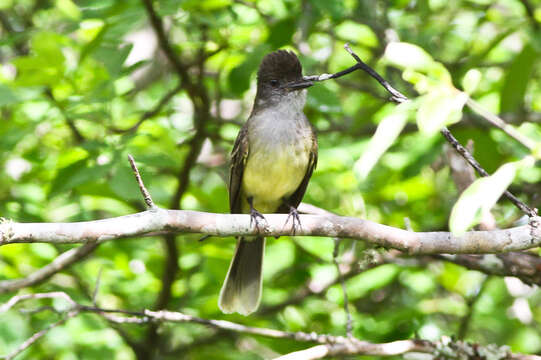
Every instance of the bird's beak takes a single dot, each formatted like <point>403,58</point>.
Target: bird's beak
<point>298,85</point>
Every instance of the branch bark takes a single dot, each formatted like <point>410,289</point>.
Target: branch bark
<point>160,221</point>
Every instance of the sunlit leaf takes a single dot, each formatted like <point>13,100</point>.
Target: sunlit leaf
<point>388,130</point>
<point>471,81</point>
<point>358,33</point>
<point>408,56</point>
<point>69,9</point>
<point>440,107</point>
<point>482,195</point>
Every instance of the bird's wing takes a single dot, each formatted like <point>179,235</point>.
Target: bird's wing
<point>296,198</point>
<point>238,161</point>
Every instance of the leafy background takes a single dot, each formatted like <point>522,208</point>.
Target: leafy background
<point>76,76</point>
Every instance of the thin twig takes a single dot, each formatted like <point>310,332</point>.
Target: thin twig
<point>79,138</point>
<point>153,112</point>
<point>144,191</point>
<point>501,124</point>
<point>398,97</point>
<point>50,295</point>
<point>97,286</point>
<point>329,345</point>
<point>349,320</point>
<point>475,164</point>
<point>28,342</point>
<point>465,322</point>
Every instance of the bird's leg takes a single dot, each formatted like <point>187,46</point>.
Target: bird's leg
<point>295,220</point>
<point>254,214</point>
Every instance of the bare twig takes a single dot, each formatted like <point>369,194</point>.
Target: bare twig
<point>398,97</point>
<point>50,295</point>
<point>349,320</point>
<point>144,191</point>
<point>329,345</point>
<point>472,300</point>
<point>153,112</point>
<point>28,342</point>
<point>471,160</point>
<point>501,124</point>
<point>97,286</point>
<point>79,138</point>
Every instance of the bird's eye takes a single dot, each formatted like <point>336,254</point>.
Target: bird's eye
<point>274,82</point>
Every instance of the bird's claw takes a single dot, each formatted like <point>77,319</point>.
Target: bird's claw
<point>254,214</point>
<point>295,220</point>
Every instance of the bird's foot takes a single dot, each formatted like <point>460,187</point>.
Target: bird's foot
<point>295,220</point>
<point>254,215</point>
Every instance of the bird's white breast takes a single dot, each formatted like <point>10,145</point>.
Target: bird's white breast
<point>280,145</point>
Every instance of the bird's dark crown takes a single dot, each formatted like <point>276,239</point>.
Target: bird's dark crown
<point>280,65</point>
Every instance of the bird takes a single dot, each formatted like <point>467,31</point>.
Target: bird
<point>272,160</point>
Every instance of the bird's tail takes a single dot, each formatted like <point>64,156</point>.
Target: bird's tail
<point>241,291</point>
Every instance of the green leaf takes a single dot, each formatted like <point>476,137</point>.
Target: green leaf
<point>280,33</point>
<point>239,77</point>
<point>69,9</point>
<point>123,183</point>
<point>388,130</point>
<point>77,174</point>
<point>113,56</point>
<point>7,97</point>
<point>471,80</point>
<point>516,79</point>
<point>357,33</point>
<point>408,56</point>
<point>5,4</point>
<point>46,65</point>
<point>205,5</point>
<point>440,107</point>
<point>482,195</point>
<point>334,8</point>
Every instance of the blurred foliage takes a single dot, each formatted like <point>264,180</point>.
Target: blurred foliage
<point>76,76</point>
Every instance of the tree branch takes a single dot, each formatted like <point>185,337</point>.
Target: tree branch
<point>329,345</point>
<point>161,221</point>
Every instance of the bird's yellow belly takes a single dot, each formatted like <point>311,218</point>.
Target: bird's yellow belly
<point>270,177</point>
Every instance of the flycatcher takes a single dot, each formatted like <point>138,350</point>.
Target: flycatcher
<point>271,163</point>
